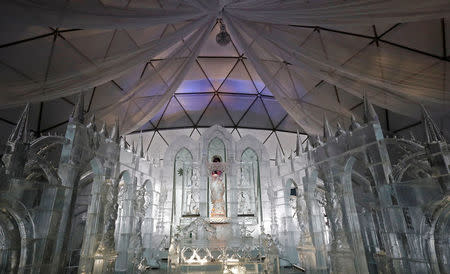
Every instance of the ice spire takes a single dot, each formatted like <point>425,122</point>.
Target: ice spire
<point>124,144</point>
<point>103,131</point>
<point>78,110</point>
<point>308,145</point>
<point>91,123</point>
<point>315,140</point>
<point>340,131</point>
<point>298,145</point>
<point>278,156</point>
<point>432,131</point>
<point>133,148</point>
<point>353,124</point>
<point>327,133</point>
<point>141,146</point>
<point>369,112</point>
<point>20,132</point>
<point>115,137</point>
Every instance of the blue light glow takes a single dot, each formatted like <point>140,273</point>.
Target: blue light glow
<point>201,85</point>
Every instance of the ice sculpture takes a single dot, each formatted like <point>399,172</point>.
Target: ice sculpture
<point>356,201</point>
<point>217,194</point>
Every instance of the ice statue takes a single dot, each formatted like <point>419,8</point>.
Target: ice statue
<point>244,203</point>
<point>194,197</point>
<point>140,207</point>
<point>302,213</point>
<point>191,203</point>
<point>217,189</point>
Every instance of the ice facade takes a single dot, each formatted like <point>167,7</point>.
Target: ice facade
<point>350,201</point>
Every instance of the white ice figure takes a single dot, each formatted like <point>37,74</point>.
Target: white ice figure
<point>217,190</point>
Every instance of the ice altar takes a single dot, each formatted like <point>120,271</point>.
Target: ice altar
<point>353,201</point>
<point>223,179</point>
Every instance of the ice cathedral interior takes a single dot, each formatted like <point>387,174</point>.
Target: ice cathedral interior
<point>224,136</point>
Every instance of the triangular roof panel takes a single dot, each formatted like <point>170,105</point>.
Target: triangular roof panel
<point>256,117</point>
<point>215,114</point>
<point>217,69</point>
<point>275,110</point>
<point>239,104</point>
<point>121,43</point>
<point>425,36</point>
<point>91,43</point>
<point>238,81</point>
<point>174,116</point>
<point>288,124</point>
<point>195,81</point>
<point>194,104</point>
<point>254,75</point>
<point>18,57</point>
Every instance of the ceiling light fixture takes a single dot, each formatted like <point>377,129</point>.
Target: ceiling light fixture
<point>223,37</point>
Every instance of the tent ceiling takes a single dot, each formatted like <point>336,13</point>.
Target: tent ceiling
<point>222,87</point>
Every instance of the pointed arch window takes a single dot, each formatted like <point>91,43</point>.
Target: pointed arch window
<point>184,182</point>
<point>248,184</point>
<point>217,183</point>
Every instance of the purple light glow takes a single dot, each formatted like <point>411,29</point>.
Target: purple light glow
<point>188,86</point>
<point>230,85</point>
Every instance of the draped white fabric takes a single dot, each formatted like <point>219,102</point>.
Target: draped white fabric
<point>145,99</point>
<point>279,52</point>
<point>90,14</point>
<point>400,94</point>
<point>93,74</point>
<point>331,13</point>
<point>276,74</point>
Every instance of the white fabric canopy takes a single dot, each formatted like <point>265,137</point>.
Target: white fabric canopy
<point>90,14</point>
<point>331,13</point>
<point>94,74</point>
<point>145,99</point>
<point>402,93</point>
<point>286,58</point>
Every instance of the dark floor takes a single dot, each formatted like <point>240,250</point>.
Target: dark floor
<point>161,271</point>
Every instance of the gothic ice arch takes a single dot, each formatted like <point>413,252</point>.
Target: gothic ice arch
<point>438,227</point>
<point>185,196</point>
<point>217,180</point>
<point>249,141</point>
<point>24,249</point>
<point>217,148</point>
<point>249,193</point>
<point>264,184</point>
<point>351,219</point>
<point>222,134</point>
<point>167,191</point>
